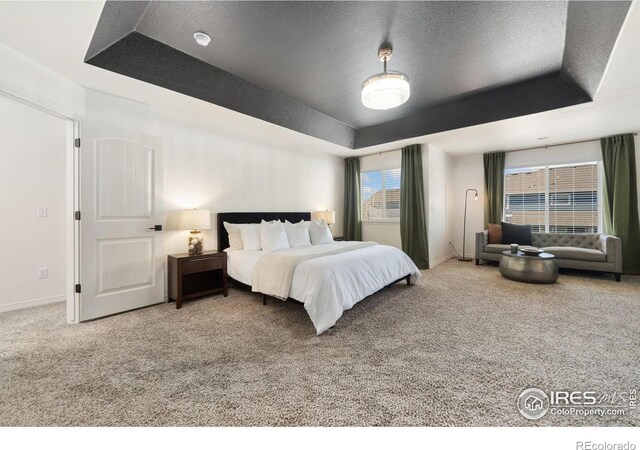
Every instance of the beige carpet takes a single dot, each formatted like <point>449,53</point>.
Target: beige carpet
<point>456,349</point>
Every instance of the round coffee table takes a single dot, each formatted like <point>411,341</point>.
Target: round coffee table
<point>541,269</point>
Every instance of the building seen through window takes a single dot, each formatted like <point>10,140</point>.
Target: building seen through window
<point>553,199</point>
<point>380,192</point>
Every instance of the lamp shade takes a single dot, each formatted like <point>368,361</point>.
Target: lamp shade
<point>328,216</point>
<point>385,90</point>
<point>195,219</point>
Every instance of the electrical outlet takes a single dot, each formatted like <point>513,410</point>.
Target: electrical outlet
<point>42,211</point>
<point>43,273</point>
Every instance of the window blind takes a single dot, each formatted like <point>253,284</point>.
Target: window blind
<point>380,192</point>
<point>525,197</point>
<point>553,199</point>
<point>573,198</point>
<point>392,193</point>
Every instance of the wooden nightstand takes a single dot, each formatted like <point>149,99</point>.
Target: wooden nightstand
<point>195,276</point>
<point>338,238</point>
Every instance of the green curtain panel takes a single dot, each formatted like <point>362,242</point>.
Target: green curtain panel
<point>493,187</point>
<point>621,197</point>
<point>413,227</point>
<point>352,216</point>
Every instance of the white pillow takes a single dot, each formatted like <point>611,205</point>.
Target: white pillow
<point>250,233</point>
<point>235,237</point>
<point>297,234</point>
<point>320,233</point>
<point>273,236</point>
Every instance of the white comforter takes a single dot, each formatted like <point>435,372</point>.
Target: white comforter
<point>273,273</point>
<point>329,285</point>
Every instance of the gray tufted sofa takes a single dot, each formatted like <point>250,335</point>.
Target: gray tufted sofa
<point>601,252</point>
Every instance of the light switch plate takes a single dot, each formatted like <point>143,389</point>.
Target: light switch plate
<point>42,211</point>
<point>43,273</point>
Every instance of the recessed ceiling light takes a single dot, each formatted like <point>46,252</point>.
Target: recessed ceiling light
<point>202,38</point>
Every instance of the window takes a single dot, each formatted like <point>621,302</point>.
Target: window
<point>559,199</point>
<point>573,192</point>
<point>380,195</point>
<point>553,199</point>
<point>525,197</point>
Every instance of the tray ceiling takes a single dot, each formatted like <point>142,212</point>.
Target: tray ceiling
<point>300,64</point>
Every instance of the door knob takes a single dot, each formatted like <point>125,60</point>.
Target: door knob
<point>156,228</point>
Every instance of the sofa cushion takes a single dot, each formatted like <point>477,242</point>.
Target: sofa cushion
<point>496,248</point>
<point>495,233</point>
<point>584,254</point>
<point>516,234</point>
<point>566,240</point>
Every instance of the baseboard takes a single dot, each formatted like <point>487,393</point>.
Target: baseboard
<point>31,303</point>
<point>441,260</point>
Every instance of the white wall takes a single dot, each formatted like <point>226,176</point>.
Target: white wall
<point>32,175</point>
<point>29,80</point>
<point>223,174</point>
<point>439,170</point>
<point>468,173</point>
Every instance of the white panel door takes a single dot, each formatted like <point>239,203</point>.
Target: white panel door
<point>121,254</point>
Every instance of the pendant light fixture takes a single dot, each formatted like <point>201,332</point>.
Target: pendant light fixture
<point>388,89</point>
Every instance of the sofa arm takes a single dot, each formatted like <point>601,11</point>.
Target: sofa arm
<point>482,238</point>
<point>612,247</point>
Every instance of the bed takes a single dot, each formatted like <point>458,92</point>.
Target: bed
<point>327,279</point>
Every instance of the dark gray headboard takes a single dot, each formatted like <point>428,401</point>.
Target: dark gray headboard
<point>253,217</point>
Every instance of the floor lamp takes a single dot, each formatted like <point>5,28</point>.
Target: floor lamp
<point>464,229</point>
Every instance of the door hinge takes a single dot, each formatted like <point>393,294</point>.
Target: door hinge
<point>77,215</point>
<point>78,289</point>
<point>76,142</point>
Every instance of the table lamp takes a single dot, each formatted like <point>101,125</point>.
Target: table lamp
<point>195,220</point>
<point>328,216</point>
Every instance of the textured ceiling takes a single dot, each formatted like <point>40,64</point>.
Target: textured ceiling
<point>301,64</point>
<point>319,54</point>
